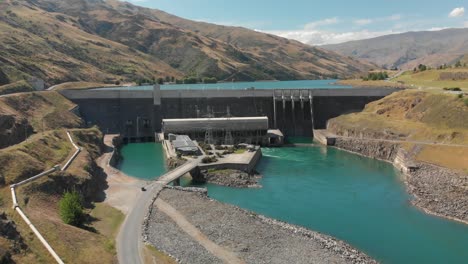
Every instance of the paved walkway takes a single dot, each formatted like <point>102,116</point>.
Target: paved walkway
<point>218,251</point>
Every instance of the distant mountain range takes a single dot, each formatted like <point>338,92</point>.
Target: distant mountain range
<point>407,50</point>
<point>97,40</point>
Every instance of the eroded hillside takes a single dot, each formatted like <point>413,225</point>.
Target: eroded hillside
<point>34,138</point>
<point>108,41</point>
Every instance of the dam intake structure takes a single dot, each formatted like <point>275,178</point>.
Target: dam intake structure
<point>138,114</point>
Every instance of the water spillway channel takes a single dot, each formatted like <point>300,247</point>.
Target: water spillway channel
<point>359,200</point>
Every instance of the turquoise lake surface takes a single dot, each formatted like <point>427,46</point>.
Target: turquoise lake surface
<point>359,200</point>
<point>310,84</point>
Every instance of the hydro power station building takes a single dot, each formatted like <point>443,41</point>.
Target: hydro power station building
<point>141,112</point>
<point>221,130</point>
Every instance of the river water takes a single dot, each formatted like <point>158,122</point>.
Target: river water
<point>359,200</point>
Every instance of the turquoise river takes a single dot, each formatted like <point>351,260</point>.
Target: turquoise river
<point>359,200</point>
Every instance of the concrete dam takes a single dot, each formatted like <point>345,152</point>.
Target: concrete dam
<point>139,113</point>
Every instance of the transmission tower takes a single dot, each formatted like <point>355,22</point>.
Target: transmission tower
<point>228,139</point>
<point>209,136</point>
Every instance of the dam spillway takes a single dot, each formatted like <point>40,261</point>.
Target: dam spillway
<point>138,113</point>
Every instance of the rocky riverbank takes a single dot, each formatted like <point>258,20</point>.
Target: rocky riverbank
<point>252,238</point>
<point>230,178</point>
<point>440,191</point>
<point>436,190</point>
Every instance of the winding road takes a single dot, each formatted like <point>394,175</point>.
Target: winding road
<point>129,240</point>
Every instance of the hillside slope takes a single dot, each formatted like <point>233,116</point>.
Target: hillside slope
<point>96,40</point>
<point>407,50</point>
<point>414,116</point>
<point>33,138</point>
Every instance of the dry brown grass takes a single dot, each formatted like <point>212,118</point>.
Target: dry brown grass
<point>371,84</point>
<point>446,156</point>
<point>432,117</point>
<point>430,79</point>
<point>82,85</point>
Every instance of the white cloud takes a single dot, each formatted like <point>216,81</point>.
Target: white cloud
<point>457,12</point>
<point>465,24</point>
<point>362,22</point>
<point>324,22</point>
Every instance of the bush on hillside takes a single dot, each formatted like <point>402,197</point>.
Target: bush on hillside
<point>71,209</point>
<point>376,76</point>
<point>453,89</point>
<point>210,80</point>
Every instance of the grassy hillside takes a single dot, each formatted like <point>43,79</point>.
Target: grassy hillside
<point>414,116</point>
<point>432,78</point>
<point>109,41</point>
<point>39,199</point>
<point>17,87</point>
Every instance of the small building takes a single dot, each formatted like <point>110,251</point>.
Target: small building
<point>275,137</point>
<point>184,145</point>
<point>227,131</point>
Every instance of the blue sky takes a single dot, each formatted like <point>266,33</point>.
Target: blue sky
<point>322,22</point>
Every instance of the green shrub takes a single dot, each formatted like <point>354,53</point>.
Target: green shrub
<point>209,159</point>
<point>453,89</point>
<point>376,76</point>
<point>71,209</point>
<point>210,80</point>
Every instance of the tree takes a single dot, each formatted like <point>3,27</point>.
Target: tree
<point>422,67</point>
<point>160,81</point>
<point>458,64</point>
<point>190,80</point>
<point>71,209</point>
<point>209,80</point>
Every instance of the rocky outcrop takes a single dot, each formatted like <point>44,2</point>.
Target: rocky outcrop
<point>9,232</point>
<point>374,149</point>
<point>338,129</point>
<point>230,178</point>
<point>440,190</point>
<point>13,130</point>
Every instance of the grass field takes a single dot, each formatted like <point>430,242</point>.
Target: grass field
<point>431,79</point>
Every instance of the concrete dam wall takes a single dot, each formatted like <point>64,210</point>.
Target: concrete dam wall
<point>137,114</point>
